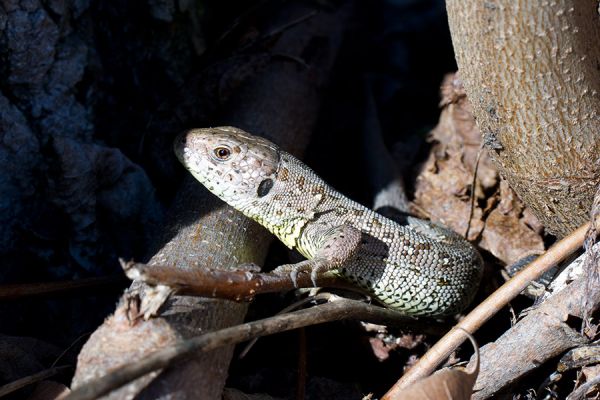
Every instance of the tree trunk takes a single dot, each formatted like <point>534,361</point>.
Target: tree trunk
<point>532,72</point>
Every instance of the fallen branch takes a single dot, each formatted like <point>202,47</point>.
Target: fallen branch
<point>488,308</point>
<point>338,310</point>
<point>20,290</point>
<point>519,350</point>
<point>581,391</point>
<point>319,297</point>
<point>237,285</point>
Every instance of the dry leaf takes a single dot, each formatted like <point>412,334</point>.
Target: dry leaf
<point>506,235</point>
<point>447,384</point>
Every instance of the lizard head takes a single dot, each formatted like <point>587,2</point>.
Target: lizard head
<point>234,165</point>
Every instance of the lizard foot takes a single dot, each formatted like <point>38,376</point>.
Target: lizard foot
<point>339,246</point>
<point>315,266</point>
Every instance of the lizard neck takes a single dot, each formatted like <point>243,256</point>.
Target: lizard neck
<point>291,203</point>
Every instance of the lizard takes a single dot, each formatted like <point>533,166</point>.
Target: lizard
<point>414,266</point>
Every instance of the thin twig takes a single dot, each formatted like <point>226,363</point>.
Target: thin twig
<point>28,380</point>
<point>65,351</point>
<point>290,24</point>
<point>254,9</point>
<point>341,309</point>
<point>294,306</point>
<point>20,290</point>
<point>278,30</point>
<point>488,308</point>
<point>472,196</point>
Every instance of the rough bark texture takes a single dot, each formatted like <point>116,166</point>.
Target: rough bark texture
<point>521,349</point>
<point>280,101</point>
<point>531,72</point>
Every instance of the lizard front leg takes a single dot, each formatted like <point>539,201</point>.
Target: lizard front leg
<point>338,246</point>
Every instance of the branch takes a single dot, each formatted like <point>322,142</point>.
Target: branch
<point>17,291</point>
<point>519,350</point>
<point>581,391</point>
<point>340,309</point>
<point>237,285</point>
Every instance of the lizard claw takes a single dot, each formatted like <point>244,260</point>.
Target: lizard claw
<point>313,276</point>
<point>292,269</point>
<point>294,277</point>
<point>308,266</point>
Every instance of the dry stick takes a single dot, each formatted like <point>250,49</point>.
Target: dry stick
<point>280,29</point>
<point>488,308</point>
<point>244,285</point>
<point>580,392</point>
<point>472,196</point>
<point>341,309</point>
<point>320,297</point>
<point>20,290</point>
<point>28,380</point>
<point>238,285</point>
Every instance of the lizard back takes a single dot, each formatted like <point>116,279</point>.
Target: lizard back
<point>413,265</point>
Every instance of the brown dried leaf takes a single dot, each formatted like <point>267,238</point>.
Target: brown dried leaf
<point>449,383</point>
<point>443,187</point>
<point>506,235</point>
<point>380,350</point>
<point>590,373</point>
<point>382,345</point>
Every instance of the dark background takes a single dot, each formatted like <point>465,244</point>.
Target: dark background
<point>92,94</point>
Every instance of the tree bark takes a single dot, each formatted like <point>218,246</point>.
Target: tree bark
<point>281,102</point>
<point>531,71</point>
<point>520,350</point>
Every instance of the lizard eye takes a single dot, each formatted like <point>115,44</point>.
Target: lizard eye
<point>222,153</point>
